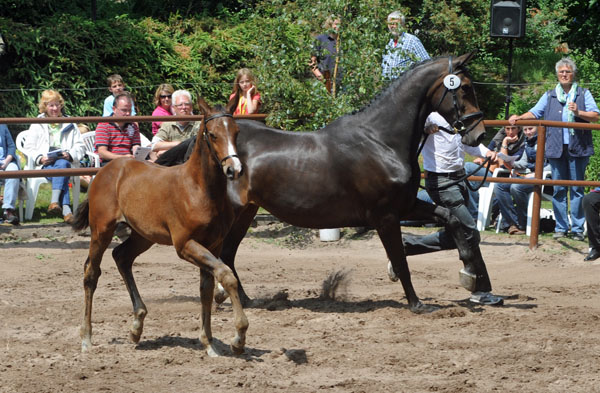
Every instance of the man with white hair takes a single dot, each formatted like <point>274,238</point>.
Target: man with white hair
<point>171,133</point>
<point>402,50</point>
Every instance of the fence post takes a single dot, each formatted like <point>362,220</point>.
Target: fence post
<point>537,189</point>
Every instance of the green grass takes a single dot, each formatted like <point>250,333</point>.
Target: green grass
<point>42,202</point>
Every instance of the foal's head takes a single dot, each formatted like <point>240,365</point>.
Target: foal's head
<point>453,96</point>
<point>219,132</point>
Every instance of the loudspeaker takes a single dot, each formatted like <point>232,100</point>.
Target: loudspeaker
<point>507,18</point>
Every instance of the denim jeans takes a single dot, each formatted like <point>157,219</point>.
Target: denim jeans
<point>568,168</point>
<point>60,183</point>
<point>513,200</point>
<point>11,188</point>
<point>454,198</point>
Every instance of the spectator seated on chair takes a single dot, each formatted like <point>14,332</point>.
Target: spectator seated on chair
<point>172,133</point>
<point>515,145</point>
<point>55,146</point>
<point>115,140</point>
<point>514,198</point>
<point>9,162</point>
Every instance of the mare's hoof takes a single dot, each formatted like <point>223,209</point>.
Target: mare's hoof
<point>467,280</point>
<point>486,299</point>
<point>421,308</point>
<point>391,274</point>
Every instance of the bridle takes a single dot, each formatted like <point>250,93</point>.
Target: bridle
<point>207,139</point>
<point>451,84</point>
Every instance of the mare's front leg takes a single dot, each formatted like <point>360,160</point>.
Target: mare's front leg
<point>91,273</point>
<point>194,252</point>
<point>389,233</point>
<point>230,246</point>
<point>124,255</point>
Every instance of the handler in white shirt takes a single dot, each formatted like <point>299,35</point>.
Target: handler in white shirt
<point>443,159</point>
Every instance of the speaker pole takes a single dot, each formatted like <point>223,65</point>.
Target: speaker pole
<point>508,95</point>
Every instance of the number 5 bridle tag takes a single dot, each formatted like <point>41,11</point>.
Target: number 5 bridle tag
<point>452,82</point>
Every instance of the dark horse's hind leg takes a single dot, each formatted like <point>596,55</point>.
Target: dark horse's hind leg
<point>389,234</point>
<point>124,255</point>
<point>474,277</point>
<point>230,246</point>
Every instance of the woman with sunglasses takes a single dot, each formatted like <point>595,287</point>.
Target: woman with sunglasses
<point>162,100</point>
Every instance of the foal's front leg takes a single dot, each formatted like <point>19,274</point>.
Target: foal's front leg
<point>195,253</point>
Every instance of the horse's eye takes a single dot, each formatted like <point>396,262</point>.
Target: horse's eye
<point>212,136</point>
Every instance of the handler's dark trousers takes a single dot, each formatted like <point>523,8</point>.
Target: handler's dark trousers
<point>591,208</point>
<point>454,198</point>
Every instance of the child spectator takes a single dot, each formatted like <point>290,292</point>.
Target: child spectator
<point>245,92</point>
<point>115,86</point>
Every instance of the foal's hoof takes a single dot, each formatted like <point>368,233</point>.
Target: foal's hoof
<point>86,346</point>
<point>220,294</point>
<point>486,299</point>
<point>237,346</point>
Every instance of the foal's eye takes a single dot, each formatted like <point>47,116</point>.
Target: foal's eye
<point>212,136</point>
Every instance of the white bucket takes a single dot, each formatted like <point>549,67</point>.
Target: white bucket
<point>329,235</point>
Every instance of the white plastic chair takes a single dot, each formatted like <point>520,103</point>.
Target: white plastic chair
<point>89,139</point>
<point>546,195</point>
<point>486,196</point>
<point>32,185</point>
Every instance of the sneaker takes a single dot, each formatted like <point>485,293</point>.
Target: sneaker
<point>578,236</point>
<point>54,209</point>
<point>559,235</point>
<point>10,217</point>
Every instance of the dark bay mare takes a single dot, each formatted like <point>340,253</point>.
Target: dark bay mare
<point>185,206</point>
<point>360,170</point>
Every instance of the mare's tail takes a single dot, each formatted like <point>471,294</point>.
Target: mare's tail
<point>82,219</point>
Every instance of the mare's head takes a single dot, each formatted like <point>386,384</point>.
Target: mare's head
<point>453,96</point>
<point>220,132</point>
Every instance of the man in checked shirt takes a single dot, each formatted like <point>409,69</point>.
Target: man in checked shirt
<point>402,50</point>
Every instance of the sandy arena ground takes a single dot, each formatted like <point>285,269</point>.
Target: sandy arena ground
<point>546,338</point>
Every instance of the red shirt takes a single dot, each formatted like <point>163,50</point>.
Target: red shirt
<point>116,140</point>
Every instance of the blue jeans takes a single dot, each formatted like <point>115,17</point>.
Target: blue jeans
<point>568,168</point>
<point>454,198</point>
<point>60,183</point>
<point>11,188</point>
<point>513,200</point>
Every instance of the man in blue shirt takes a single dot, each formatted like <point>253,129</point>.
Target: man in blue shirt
<point>402,50</point>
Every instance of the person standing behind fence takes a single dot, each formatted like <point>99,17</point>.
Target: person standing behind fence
<point>567,149</point>
<point>55,146</point>
<point>162,100</point>
<point>245,92</point>
<point>9,162</point>
<point>402,50</point>
<point>324,61</point>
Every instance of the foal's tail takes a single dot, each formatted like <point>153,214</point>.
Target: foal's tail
<point>82,219</point>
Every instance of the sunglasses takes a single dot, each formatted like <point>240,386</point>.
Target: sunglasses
<point>168,96</point>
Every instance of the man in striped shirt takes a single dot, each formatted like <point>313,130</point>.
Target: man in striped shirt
<point>118,139</point>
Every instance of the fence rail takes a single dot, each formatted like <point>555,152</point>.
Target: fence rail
<point>536,180</point>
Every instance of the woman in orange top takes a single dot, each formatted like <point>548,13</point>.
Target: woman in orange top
<point>245,92</point>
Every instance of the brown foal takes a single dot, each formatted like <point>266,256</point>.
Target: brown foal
<point>185,206</point>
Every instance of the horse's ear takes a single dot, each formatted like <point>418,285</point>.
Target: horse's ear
<point>232,104</point>
<point>203,106</point>
<point>464,59</point>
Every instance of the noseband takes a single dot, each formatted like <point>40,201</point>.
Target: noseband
<point>207,139</point>
<point>458,127</point>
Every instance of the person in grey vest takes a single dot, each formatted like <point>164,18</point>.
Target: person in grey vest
<point>567,149</point>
